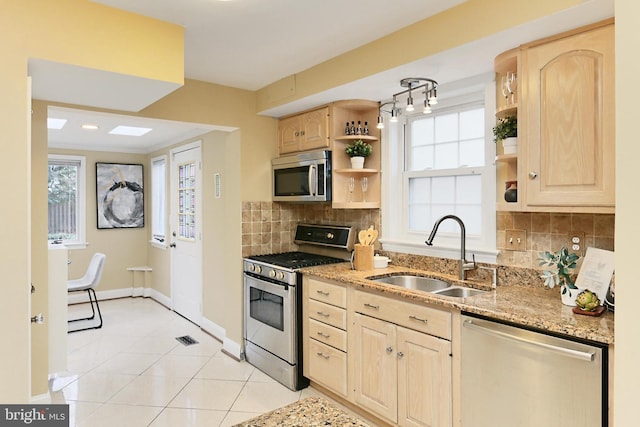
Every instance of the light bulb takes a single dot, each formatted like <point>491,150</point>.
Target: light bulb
<point>409,104</point>
<point>394,116</point>
<point>380,123</point>
<point>427,107</point>
<point>433,98</point>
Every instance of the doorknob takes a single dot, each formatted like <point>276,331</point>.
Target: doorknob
<point>39,319</point>
<point>172,245</point>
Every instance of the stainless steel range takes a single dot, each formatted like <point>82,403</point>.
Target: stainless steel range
<point>273,300</point>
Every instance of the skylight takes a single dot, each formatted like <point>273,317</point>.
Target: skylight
<point>55,123</point>
<point>129,131</point>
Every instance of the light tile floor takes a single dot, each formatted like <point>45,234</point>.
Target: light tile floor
<point>133,372</point>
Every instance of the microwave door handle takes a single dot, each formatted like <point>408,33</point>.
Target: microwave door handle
<point>313,189</point>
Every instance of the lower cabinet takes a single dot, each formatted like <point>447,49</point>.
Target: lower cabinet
<point>390,357</point>
<point>324,324</point>
<point>402,375</point>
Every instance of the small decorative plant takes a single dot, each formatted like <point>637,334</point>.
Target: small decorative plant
<point>562,263</point>
<point>358,149</point>
<point>506,127</point>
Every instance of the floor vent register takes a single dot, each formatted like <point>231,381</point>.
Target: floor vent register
<point>186,340</point>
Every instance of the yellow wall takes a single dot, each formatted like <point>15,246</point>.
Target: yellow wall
<point>455,27</point>
<point>81,33</point>
<point>39,252</point>
<point>201,102</point>
<point>627,355</point>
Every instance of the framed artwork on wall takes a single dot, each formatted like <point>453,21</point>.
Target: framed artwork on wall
<point>119,195</point>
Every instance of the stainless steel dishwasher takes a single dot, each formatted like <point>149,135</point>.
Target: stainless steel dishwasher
<point>514,377</point>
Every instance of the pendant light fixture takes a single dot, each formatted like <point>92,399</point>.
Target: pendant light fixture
<point>425,85</point>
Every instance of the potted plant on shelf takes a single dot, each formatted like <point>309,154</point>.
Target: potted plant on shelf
<point>506,130</point>
<point>562,263</point>
<point>358,151</point>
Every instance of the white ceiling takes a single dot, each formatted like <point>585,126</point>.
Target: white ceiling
<point>249,44</point>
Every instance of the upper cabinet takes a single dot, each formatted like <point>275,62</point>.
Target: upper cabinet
<point>324,128</point>
<point>566,113</point>
<point>302,132</point>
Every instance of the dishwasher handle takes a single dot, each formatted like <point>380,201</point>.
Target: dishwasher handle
<point>576,354</point>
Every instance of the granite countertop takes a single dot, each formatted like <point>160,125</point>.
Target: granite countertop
<point>309,412</point>
<point>527,305</point>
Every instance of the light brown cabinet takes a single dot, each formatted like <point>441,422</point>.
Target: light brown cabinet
<point>400,374</point>
<point>566,114</point>
<point>567,122</point>
<point>325,336</point>
<point>303,132</point>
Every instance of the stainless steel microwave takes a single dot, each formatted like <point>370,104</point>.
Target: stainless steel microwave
<point>302,177</point>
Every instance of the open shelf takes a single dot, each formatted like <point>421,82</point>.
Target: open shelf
<point>364,171</point>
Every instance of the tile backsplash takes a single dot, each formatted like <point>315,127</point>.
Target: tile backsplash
<point>269,227</point>
<point>549,232</point>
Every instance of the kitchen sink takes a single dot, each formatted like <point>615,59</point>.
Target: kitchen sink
<point>459,292</point>
<point>427,284</point>
<point>408,281</point>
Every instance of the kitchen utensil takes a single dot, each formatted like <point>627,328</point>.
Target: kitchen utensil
<point>368,240</point>
<point>374,236</point>
<point>362,237</point>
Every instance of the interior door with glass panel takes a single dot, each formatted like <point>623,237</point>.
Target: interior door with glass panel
<point>186,233</point>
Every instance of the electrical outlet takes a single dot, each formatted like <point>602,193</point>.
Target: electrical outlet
<point>515,240</point>
<point>577,243</point>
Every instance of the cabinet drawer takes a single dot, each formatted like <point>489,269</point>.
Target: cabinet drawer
<point>417,317</point>
<point>328,314</point>
<point>328,334</point>
<point>327,292</point>
<point>327,366</point>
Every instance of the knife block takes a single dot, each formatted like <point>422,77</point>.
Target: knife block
<point>363,257</point>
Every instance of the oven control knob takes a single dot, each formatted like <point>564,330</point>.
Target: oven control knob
<point>330,236</point>
<point>280,275</point>
<point>255,268</point>
<point>272,274</point>
<point>251,267</point>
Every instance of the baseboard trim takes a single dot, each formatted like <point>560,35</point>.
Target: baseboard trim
<point>229,347</point>
<point>82,297</point>
<point>43,398</point>
<point>159,298</point>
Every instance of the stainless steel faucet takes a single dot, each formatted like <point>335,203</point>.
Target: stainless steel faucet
<point>463,265</point>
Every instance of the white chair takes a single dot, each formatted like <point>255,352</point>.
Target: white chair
<point>88,283</point>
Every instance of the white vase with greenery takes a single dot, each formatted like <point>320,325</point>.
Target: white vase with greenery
<point>562,263</point>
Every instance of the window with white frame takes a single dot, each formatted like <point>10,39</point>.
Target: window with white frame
<point>67,199</point>
<point>443,162</point>
<point>158,198</point>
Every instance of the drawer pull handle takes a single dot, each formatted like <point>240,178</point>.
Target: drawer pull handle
<point>400,355</point>
<point>375,307</point>
<point>326,294</point>
<point>418,319</point>
<point>323,335</point>
<point>389,350</point>
<point>323,355</point>
<point>323,314</point>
